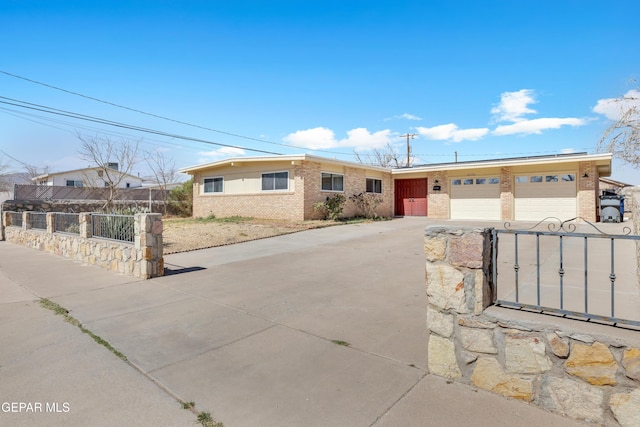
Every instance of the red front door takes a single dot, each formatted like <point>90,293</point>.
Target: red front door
<point>411,197</point>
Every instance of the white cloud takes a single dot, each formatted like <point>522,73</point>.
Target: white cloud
<point>513,105</point>
<point>405,116</point>
<point>408,117</point>
<point>537,125</point>
<point>316,138</point>
<point>614,108</point>
<point>208,156</point>
<point>451,132</point>
<point>324,138</point>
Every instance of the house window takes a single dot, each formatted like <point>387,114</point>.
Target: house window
<point>456,182</point>
<point>274,181</point>
<point>468,181</point>
<point>374,185</point>
<point>73,183</point>
<point>522,179</point>
<point>551,178</point>
<point>536,178</point>
<point>494,180</point>
<point>214,185</point>
<point>332,182</point>
<point>481,181</point>
<point>128,185</point>
<point>569,177</point>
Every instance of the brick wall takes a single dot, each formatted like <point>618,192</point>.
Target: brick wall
<point>438,200</point>
<point>271,205</point>
<point>296,205</point>
<point>587,191</point>
<point>506,194</point>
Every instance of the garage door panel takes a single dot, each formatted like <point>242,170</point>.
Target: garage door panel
<point>537,209</point>
<point>475,201</point>
<point>535,201</point>
<point>475,208</point>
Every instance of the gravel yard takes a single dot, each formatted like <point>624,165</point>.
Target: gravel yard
<point>181,235</point>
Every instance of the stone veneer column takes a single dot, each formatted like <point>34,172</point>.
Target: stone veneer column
<point>84,220</point>
<point>458,262</point>
<point>148,244</point>
<point>589,373</point>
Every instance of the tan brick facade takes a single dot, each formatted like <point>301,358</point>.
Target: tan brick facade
<point>243,196</point>
<point>438,200</point>
<point>506,194</point>
<point>297,203</point>
<point>587,191</point>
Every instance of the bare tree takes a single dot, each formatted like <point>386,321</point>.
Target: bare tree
<point>4,180</point>
<point>164,171</point>
<point>34,171</point>
<point>622,138</point>
<point>114,160</point>
<point>386,157</point>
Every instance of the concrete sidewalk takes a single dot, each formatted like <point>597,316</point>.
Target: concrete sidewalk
<point>251,332</point>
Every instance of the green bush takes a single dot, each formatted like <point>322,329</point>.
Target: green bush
<point>180,201</point>
<point>332,207</point>
<point>367,204</point>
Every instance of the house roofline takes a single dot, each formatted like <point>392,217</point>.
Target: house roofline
<point>237,161</point>
<point>615,182</point>
<point>46,175</point>
<point>513,161</point>
<point>604,168</point>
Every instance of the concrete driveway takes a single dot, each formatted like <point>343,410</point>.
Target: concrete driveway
<point>320,328</point>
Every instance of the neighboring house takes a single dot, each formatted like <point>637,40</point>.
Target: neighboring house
<point>565,186</point>
<point>622,189</point>
<point>612,185</point>
<point>89,177</point>
<point>284,187</point>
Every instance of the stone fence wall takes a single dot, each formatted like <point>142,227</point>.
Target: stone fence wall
<point>143,258</point>
<point>585,371</point>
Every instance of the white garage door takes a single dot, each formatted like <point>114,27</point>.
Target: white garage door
<point>539,196</point>
<point>475,198</point>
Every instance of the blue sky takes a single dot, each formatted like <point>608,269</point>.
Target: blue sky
<point>484,79</point>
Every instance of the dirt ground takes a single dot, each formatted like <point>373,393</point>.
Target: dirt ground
<point>182,235</point>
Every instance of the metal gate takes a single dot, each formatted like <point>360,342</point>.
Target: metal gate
<point>585,275</point>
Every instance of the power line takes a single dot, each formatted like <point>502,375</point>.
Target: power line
<point>50,110</point>
<point>162,117</point>
<point>25,116</point>
<point>409,136</point>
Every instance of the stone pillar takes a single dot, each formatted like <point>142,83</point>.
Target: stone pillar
<point>51,222</point>
<point>148,244</point>
<point>458,279</point>
<point>26,220</point>
<point>84,220</point>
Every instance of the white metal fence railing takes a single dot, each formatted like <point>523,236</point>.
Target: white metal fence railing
<point>113,227</point>
<point>38,220</point>
<point>16,218</point>
<point>589,276</point>
<point>102,226</point>
<point>67,223</point>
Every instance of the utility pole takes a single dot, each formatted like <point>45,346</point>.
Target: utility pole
<point>409,136</point>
